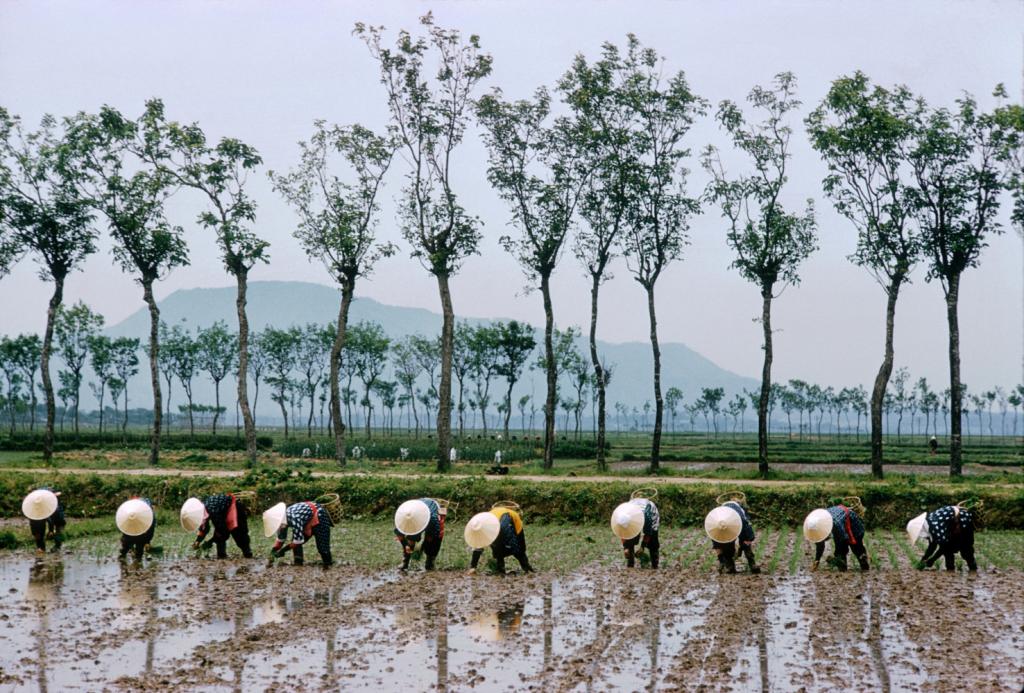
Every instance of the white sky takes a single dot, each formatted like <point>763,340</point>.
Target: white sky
<point>264,71</point>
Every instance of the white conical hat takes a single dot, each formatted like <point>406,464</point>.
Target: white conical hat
<point>481,530</point>
<point>273,518</point>
<point>412,517</point>
<point>723,524</point>
<point>134,517</point>
<point>39,504</point>
<point>627,520</point>
<point>193,512</point>
<point>817,526</point>
<point>917,526</point>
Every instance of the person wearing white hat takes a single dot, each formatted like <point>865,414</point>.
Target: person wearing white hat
<point>228,518</point>
<point>45,515</point>
<point>949,530</point>
<point>728,526</point>
<point>417,520</point>
<point>306,520</point>
<point>847,532</point>
<point>509,540</point>
<point>137,522</point>
<point>636,523</point>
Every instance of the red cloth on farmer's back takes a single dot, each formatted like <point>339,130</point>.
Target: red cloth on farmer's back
<point>313,521</point>
<point>232,516</point>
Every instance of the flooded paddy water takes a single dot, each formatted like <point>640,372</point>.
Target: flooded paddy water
<point>82,620</point>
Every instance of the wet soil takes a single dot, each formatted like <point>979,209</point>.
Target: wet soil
<point>75,622</point>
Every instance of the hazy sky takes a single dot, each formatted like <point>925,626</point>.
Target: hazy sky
<point>264,71</point>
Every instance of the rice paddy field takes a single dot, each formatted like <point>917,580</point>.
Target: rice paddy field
<point>83,620</point>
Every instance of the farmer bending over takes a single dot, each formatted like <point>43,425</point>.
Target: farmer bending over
<point>137,523</point>
<point>948,530</point>
<point>846,530</point>
<point>306,520</point>
<point>417,520</point>
<point>502,529</point>
<point>636,522</point>
<point>227,516</point>
<point>45,516</point>
<point>728,526</point>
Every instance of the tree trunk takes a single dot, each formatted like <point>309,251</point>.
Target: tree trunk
<point>595,286</point>
<point>766,382</point>
<point>882,379</point>
<point>955,404</point>
<point>154,371</point>
<point>169,420</point>
<point>284,411</point>
<point>216,404</point>
<point>659,403</point>
<point>243,367</point>
<point>508,405</point>
<point>369,409</point>
<point>444,395</point>
<point>34,403</point>
<point>312,411</point>
<point>51,407</point>
<point>462,409</point>
<point>551,400</point>
<point>191,415</point>
<point>103,386</point>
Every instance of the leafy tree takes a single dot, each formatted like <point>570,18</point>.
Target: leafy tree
<point>862,133</point>
<point>130,194</point>
<point>673,397</point>
<point>369,349</point>
<point>387,391</point>
<point>43,214</point>
<point>407,371</point>
<point>180,353</point>
<point>217,351</point>
<point>75,326</point>
<point>25,352</point>
<point>218,172</point>
<point>337,224</point>
<point>484,352</point>
<point>429,113</point>
<point>462,359</point>
<point>12,375</point>
<point>125,361</point>
<point>515,343</point>
<point>954,157</point>
<point>313,350</point>
<point>101,353</point>
<point>769,242</point>
<point>540,169</point>
<point>657,224</point>
<point>280,346</point>
<point>596,93</point>
<point>258,365</point>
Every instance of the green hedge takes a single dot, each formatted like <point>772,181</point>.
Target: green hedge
<point>92,440</point>
<point>890,504</point>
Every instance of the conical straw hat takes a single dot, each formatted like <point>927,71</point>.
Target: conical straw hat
<point>39,504</point>
<point>193,512</point>
<point>627,520</point>
<point>273,518</point>
<point>412,517</point>
<point>917,526</point>
<point>723,524</point>
<point>134,517</point>
<point>817,526</point>
<point>481,530</point>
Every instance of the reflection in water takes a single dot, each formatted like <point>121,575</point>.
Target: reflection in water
<point>548,625</point>
<point>496,626</point>
<point>440,612</point>
<point>45,578</point>
<point>653,644</point>
<point>139,596</point>
<point>875,640</point>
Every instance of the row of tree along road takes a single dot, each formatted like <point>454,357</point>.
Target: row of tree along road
<point>919,184</point>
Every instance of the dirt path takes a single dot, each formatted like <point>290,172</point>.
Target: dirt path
<point>235,473</point>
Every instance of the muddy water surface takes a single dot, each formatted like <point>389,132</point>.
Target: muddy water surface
<point>76,623</point>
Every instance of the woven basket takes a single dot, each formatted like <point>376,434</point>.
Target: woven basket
<point>447,507</point>
<point>734,496</point>
<point>511,505</point>
<point>331,502</point>
<point>854,503</point>
<point>247,499</point>
<point>972,504</point>
<point>649,493</point>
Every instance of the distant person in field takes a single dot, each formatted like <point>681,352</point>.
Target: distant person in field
<point>225,514</point>
<point>730,531</point>
<point>949,530</point>
<point>45,515</point>
<point>137,522</point>
<point>420,520</point>
<point>306,520</point>
<point>636,524</point>
<point>933,445</point>
<point>502,529</point>
<point>847,531</point>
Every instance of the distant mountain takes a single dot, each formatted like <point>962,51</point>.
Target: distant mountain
<point>283,304</point>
